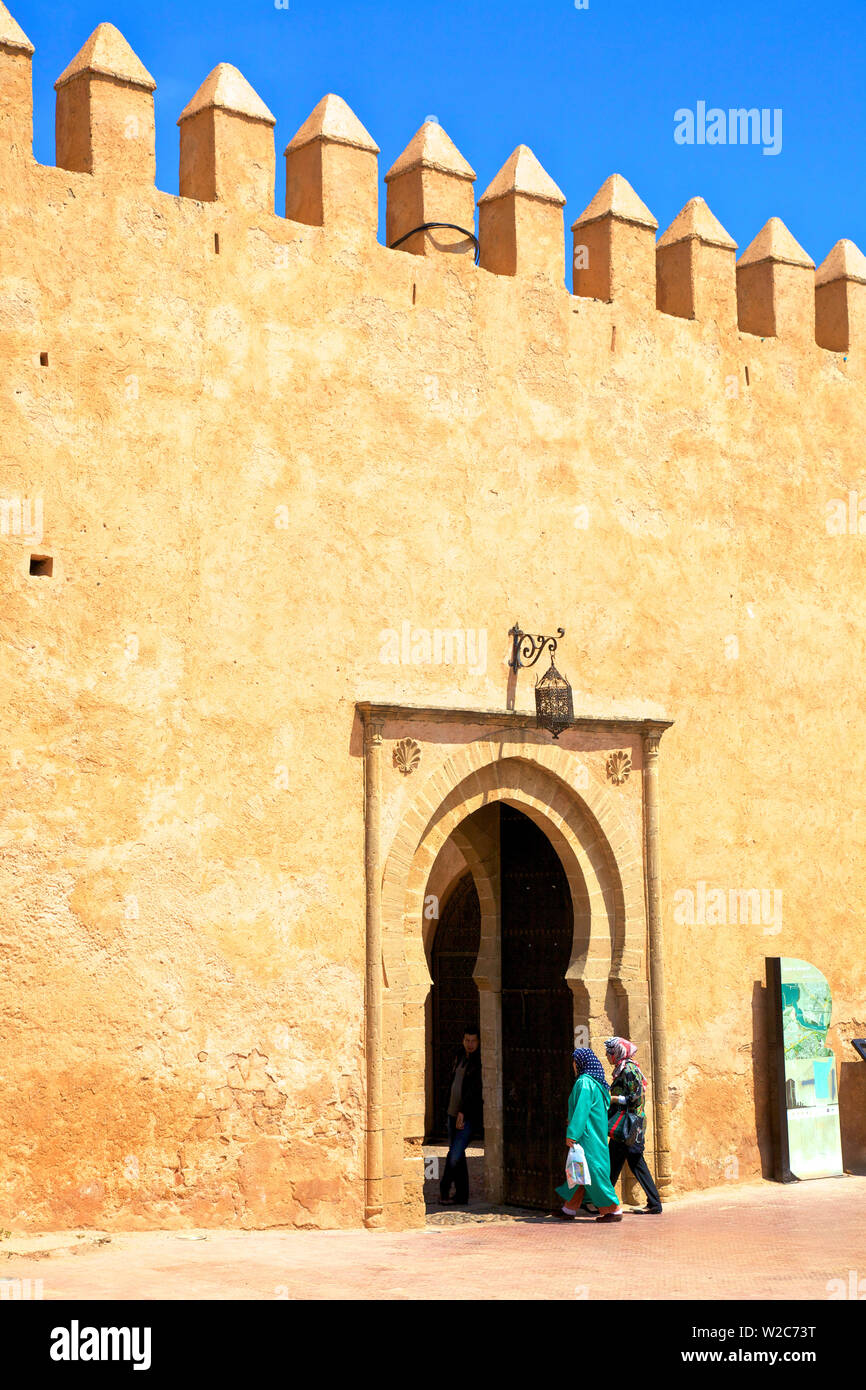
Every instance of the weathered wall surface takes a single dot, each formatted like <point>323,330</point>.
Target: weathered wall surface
<point>253,465</point>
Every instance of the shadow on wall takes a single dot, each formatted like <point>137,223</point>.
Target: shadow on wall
<point>761,1082</point>
<point>852,1114</point>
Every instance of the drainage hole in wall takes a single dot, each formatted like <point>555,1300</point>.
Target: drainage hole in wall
<point>42,564</point>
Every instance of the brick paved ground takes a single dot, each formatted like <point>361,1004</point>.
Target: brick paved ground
<point>757,1242</point>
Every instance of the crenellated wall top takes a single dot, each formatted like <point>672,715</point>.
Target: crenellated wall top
<point>105,127</point>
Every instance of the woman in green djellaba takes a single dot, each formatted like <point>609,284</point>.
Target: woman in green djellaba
<point>587,1125</point>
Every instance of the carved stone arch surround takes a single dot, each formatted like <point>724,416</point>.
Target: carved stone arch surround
<point>603,861</point>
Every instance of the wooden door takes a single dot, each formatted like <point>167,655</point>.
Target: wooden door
<point>537,1011</point>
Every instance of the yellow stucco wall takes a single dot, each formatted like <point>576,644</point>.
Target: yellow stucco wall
<point>252,467</point>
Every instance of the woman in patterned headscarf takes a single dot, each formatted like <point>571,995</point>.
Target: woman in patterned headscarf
<point>587,1126</point>
<point>627,1106</point>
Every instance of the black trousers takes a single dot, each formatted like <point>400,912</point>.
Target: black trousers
<point>619,1155</point>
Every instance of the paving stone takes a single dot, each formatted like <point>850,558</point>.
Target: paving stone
<point>761,1241</point>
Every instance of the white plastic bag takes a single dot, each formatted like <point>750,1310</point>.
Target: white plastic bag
<point>576,1167</point>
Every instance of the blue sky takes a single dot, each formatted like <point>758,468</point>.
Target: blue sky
<point>591,91</point>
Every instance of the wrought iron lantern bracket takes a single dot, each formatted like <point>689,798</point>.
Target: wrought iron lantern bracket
<point>553,702</point>
<point>526,648</point>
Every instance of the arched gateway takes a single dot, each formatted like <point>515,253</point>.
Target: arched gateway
<point>593,795</point>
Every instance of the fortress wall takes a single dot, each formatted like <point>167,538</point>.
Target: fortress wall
<point>254,463</point>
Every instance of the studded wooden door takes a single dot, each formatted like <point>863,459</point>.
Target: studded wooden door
<point>537,1013</point>
<point>455,993</point>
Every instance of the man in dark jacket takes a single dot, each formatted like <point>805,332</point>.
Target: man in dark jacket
<point>464,1117</point>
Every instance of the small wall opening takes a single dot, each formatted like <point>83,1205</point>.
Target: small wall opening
<point>43,359</point>
<point>216,243</point>
<point>42,565</point>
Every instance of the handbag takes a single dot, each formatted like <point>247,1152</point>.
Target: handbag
<point>576,1167</point>
<point>626,1128</point>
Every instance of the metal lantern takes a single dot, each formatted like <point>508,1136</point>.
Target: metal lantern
<point>553,701</point>
<point>552,692</point>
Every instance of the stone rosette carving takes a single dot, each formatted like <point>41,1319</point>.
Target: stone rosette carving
<point>407,755</point>
<point>618,767</point>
